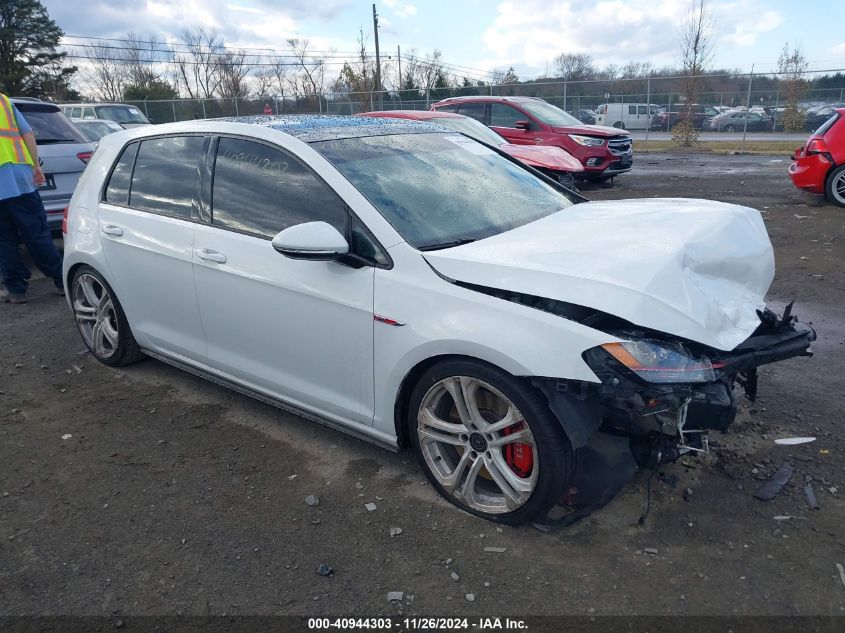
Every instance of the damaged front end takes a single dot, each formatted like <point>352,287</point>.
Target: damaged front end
<point>659,398</point>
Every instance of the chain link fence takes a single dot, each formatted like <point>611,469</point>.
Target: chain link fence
<point>649,105</point>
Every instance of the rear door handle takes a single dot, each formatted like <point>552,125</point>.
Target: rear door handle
<point>211,256</point>
<point>111,229</point>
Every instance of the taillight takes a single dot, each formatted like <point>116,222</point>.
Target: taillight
<point>817,146</point>
<point>85,156</point>
<point>64,220</point>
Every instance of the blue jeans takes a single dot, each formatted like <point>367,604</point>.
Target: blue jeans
<point>23,219</point>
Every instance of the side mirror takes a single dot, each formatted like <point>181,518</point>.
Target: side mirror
<point>318,241</point>
<point>522,125</point>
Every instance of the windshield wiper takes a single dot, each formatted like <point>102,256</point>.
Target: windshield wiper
<point>437,247</point>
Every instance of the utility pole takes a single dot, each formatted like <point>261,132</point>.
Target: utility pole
<point>378,58</point>
<point>399,59</point>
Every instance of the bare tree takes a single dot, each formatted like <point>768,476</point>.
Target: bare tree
<point>106,73</point>
<point>142,53</point>
<point>233,68</point>
<point>575,66</point>
<point>696,58</point>
<point>197,70</point>
<point>310,82</point>
<point>792,65</point>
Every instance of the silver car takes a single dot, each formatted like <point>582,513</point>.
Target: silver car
<point>63,153</point>
<point>95,129</point>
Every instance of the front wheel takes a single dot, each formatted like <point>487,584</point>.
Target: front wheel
<point>488,441</point>
<point>101,321</point>
<point>835,186</point>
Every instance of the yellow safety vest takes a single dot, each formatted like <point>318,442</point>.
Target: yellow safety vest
<point>12,147</point>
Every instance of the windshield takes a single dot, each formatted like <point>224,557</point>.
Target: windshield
<point>50,125</point>
<point>95,130</point>
<point>471,127</point>
<point>548,114</point>
<point>121,114</point>
<point>440,189</point>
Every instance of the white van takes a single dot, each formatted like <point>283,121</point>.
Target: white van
<point>126,116</point>
<point>627,116</point>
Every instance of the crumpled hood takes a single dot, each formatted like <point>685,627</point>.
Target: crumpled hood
<point>697,269</point>
<point>544,156</point>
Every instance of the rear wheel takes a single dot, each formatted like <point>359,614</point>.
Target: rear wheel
<point>488,441</point>
<point>619,125</point>
<point>101,321</point>
<point>835,186</point>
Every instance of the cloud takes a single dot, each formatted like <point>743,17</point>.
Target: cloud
<point>839,49</point>
<point>401,9</point>
<point>532,32</point>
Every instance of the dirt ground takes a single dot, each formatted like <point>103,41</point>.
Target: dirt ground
<point>171,495</point>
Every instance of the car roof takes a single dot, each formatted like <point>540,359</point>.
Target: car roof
<point>417,115</point>
<point>312,128</point>
<point>488,98</point>
<point>34,105</point>
<point>99,103</point>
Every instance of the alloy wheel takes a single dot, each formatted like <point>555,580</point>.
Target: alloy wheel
<point>838,188</point>
<point>477,445</point>
<point>95,316</point>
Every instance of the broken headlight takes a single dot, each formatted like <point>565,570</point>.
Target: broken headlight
<point>661,362</point>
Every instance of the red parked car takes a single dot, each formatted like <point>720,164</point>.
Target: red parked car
<point>819,166</point>
<point>604,152</point>
<point>552,161</point>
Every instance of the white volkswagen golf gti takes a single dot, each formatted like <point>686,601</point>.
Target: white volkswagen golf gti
<point>412,286</point>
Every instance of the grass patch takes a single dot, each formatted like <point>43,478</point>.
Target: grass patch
<point>721,147</point>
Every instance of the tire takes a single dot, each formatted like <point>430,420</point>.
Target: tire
<point>729,128</point>
<point>101,321</point>
<point>477,463</point>
<point>619,125</point>
<point>834,187</point>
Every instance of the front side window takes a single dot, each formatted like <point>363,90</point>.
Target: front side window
<point>642,109</point>
<point>117,189</point>
<point>166,175</point>
<point>502,115</point>
<point>260,190</point>
<point>473,110</point>
<point>436,189</point>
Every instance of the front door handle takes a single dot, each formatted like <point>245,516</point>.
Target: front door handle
<point>211,256</point>
<point>111,229</point>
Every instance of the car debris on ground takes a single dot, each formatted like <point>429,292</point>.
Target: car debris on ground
<point>772,488</point>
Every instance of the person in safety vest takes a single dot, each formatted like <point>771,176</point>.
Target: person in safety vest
<point>22,214</point>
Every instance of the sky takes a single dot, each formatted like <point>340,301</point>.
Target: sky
<point>477,36</point>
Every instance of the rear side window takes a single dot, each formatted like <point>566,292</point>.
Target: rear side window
<point>642,109</point>
<point>474,110</point>
<point>448,108</point>
<point>117,190</point>
<point>260,190</point>
<point>166,175</point>
<point>632,109</point>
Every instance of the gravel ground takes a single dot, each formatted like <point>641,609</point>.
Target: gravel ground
<point>149,491</point>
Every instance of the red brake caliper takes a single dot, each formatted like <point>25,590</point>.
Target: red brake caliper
<point>517,455</point>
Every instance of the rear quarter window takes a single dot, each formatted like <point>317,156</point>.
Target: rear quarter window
<point>117,188</point>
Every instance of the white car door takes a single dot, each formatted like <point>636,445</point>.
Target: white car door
<point>147,236</point>
<point>300,331</point>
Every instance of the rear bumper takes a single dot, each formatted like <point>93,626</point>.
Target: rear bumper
<point>809,172</point>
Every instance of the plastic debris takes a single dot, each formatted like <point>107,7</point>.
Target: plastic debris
<point>325,570</point>
<point>786,517</point>
<point>772,488</point>
<point>841,571</point>
<point>470,597</point>
<point>312,500</point>
<point>291,477</point>
<point>395,596</point>
<point>454,576</point>
<point>496,550</point>
<point>650,550</point>
<point>67,436</point>
<point>395,531</point>
<point>370,507</point>
<point>793,441</point>
<point>810,496</point>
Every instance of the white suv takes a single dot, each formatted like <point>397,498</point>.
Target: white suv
<point>412,286</point>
